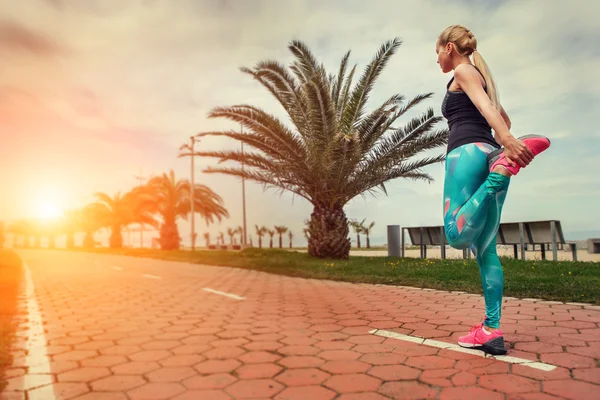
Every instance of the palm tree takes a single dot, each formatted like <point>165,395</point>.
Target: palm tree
<point>335,150</point>
<point>90,223</point>
<point>170,198</point>
<point>260,232</point>
<point>280,231</point>
<point>231,233</point>
<point>271,233</point>
<point>207,238</point>
<point>367,230</point>
<point>291,236</point>
<point>113,212</point>
<point>358,228</point>
<point>222,237</point>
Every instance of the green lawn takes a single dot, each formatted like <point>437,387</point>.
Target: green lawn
<point>561,281</point>
<point>11,275</point>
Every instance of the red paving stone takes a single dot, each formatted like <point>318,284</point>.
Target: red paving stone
<point>114,335</point>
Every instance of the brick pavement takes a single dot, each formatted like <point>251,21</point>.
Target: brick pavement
<point>112,334</point>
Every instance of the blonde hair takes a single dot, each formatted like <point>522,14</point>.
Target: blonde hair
<point>466,45</point>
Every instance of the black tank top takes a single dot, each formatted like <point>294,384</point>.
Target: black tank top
<point>466,123</point>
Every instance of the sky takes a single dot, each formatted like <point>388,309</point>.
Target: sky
<point>96,92</point>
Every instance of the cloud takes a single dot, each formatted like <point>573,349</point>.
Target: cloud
<point>16,37</point>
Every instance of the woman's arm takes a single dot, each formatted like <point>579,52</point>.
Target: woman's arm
<point>515,150</point>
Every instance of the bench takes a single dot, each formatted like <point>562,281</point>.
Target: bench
<point>517,234</point>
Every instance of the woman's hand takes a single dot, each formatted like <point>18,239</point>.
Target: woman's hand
<point>517,152</point>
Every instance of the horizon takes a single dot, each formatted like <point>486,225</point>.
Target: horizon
<point>94,94</point>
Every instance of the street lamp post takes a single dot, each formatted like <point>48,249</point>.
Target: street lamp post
<point>243,192</point>
<point>190,147</point>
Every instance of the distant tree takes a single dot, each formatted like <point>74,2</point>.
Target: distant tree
<point>280,231</point>
<point>271,233</point>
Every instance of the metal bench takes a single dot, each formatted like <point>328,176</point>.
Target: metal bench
<point>517,234</point>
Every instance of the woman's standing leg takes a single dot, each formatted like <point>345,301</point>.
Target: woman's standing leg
<point>473,199</point>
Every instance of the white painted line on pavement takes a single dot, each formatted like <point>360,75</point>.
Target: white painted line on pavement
<point>233,296</point>
<point>37,360</point>
<point>457,348</point>
<point>151,276</point>
<point>117,268</point>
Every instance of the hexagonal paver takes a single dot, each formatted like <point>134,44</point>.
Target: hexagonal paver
<point>301,361</point>
<point>430,362</point>
<point>345,367</point>
<point>247,389</point>
<point>161,345</point>
<point>150,355</point>
<point>462,393</point>
<point>509,383</point>
<point>102,361</point>
<point>258,371</point>
<point>257,357</point>
<point>118,383</point>
<point>216,366</point>
<point>410,390</point>
<point>299,350</point>
<point>350,383</point>
<point>568,360</point>
<point>135,367</point>
<point>156,391</point>
<point>120,350</point>
<point>265,346</point>
<point>103,396</point>
<point>75,355</point>
<point>170,374</point>
<point>302,377</point>
<point>382,358</point>
<point>339,355</point>
<point>28,382</point>
<point>221,353</point>
<point>83,374</point>
<point>306,392</point>
<point>394,372</point>
<point>182,360</point>
<point>570,389</point>
<point>214,381</point>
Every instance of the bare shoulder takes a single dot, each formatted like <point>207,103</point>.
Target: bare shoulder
<point>464,73</point>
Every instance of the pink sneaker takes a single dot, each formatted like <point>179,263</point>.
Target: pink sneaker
<point>536,143</point>
<point>491,343</point>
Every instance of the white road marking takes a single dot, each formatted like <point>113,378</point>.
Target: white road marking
<point>117,268</point>
<point>455,347</point>
<point>151,276</point>
<point>36,360</point>
<point>233,296</point>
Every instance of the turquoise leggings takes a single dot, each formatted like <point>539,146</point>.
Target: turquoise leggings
<point>473,199</point>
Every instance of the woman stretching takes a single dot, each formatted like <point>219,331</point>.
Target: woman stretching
<point>478,170</point>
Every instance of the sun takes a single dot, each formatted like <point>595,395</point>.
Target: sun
<point>48,209</point>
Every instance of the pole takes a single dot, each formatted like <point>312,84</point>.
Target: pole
<point>193,234</point>
<point>243,192</point>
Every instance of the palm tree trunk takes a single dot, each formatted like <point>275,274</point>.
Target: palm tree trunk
<point>116,237</point>
<point>358,240</point>
<point>88,241</point>
<point>328,233</point>
<point>368,242</point>
<point>271,242</point>
<point>169,235</point>
<point>280,242</point>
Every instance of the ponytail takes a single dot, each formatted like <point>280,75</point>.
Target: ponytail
<point>489,81</point>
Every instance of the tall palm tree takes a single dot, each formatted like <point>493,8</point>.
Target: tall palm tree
<point>231,232</point>
<point>280,231</point>
<point>170,198</point>
<point>240,231</point>
<point>222,237</point>
<point>291,236</point>
<point>335,150</point>
<point>207,238</point>
<point>271,233</point>
<point>358,229</point>
<point>367,230</point>
<point>260,232</point>
<point>90,223</point>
